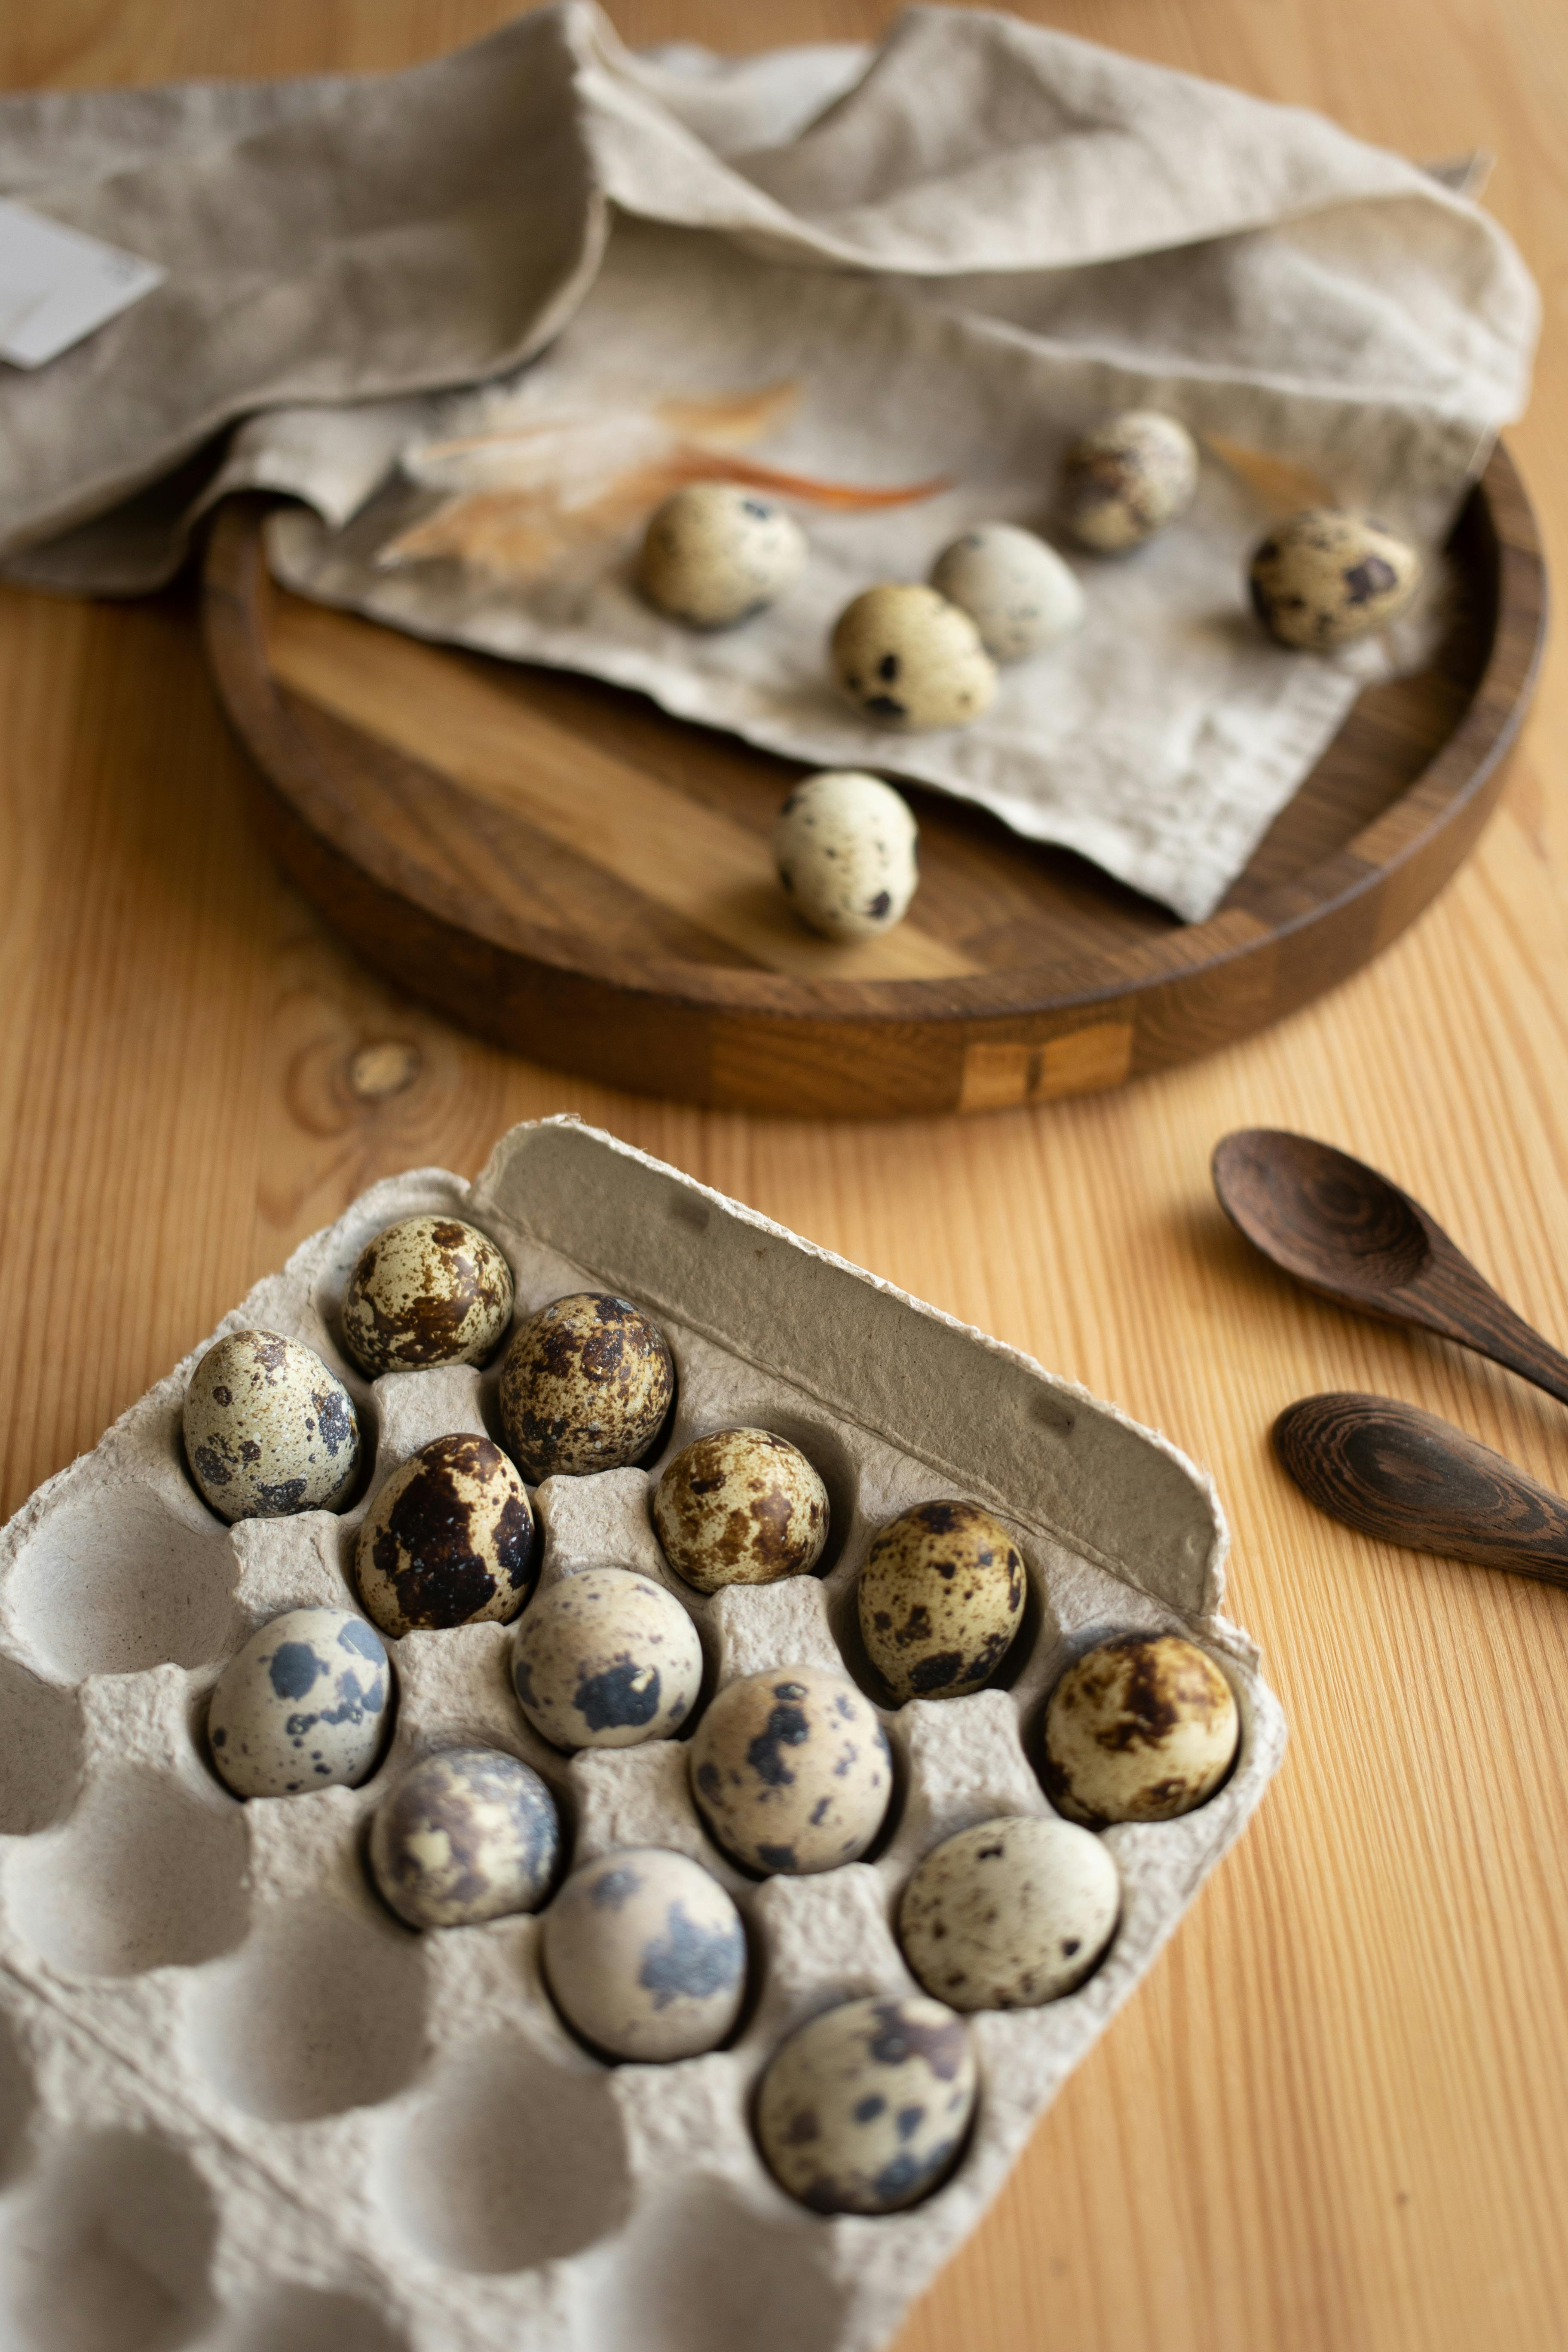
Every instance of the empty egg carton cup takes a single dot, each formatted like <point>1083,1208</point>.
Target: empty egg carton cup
<point>242,2107</point>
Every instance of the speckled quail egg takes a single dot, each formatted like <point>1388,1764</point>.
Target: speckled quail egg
<point>268,1429</point>
<point>645,1956</point>
<point>606,1659</point>
<point>1127,479</point>
<point>911,661</point>
<point>940,1598</point>
<point>427,1290</point>
<point>845,847</point>
<point>468,1835</point>
<point>1010,1915</point>
<point>303,1706</point>
<point>448,1540</point>
<point>791,1771</point>
<point>1017,591</point>
<point>1140,1729</point>
<point>740,1507</point>
<point>863,2108</point>
<point>585,1386</point>
<point>1325,577</point>
<point>716,552</point>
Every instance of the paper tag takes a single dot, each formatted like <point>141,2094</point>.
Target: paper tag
<point>56,285</point>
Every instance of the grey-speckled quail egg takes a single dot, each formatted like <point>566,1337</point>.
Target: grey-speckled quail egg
<point>1127,479</point>
<point>911,660</point>
<point>448,1540</point>
<point>645,1956</point>
<point>427,1290</point>
<point>791,1771</point>
<point>940,1598</point>
<point>716,552</point>
<point>471,1833</point>
<point>845,846</point>
<point>863,2108</point>
<point>740,1507</point>
<point>268,1429</point>
<point>302,1706</point>
<point>1325,577</point>
<point>1017,591</point>
<point>1140,1729</point>
<point>1010,1915</point>
<point>585,1386</point>
<point>606,1659</point>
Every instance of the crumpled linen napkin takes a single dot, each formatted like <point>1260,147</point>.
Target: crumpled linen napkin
<point>940,258</point>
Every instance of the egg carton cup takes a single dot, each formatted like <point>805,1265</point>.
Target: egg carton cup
<point>242,2107</point>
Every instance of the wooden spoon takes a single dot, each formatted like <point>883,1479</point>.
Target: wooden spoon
<point>1391,1470</point>
<point>1351,1235</point>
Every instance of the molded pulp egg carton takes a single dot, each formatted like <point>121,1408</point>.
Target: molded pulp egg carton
<point>242,2108</point>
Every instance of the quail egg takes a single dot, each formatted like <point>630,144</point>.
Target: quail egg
<point>911,660</point>
<point>606,1659</point>
<point>427,1290</point>
<point>1325,577</point>
<point>940,1598</point>
<point>585,1386</point>
<point>448,1540</point>
<point>268,1429</point>
<point>863,2108</point>
<point>716,552</point>
<point>1010,1915</point>
<point>645,1956</point>
<point>1127,479</point>
<point>845,849</point>
<point>740,1507</point>
<point>302,1706</point>
<point>791,1771</point>
<point>468,1835</point>
<point>1140,1729</point>
<point>1017,591</point>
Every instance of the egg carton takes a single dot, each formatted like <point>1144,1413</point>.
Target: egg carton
<point>243,2109</point>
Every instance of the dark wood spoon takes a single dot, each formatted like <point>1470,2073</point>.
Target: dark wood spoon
<point>1348,1234</point>
<point>1391,1470</point>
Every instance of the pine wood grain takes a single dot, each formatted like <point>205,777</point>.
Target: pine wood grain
<point>1332,2121</point>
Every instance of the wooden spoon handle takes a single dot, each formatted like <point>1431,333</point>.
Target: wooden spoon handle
<point>1392,1471</point>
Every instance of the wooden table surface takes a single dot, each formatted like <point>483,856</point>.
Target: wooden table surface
<point>1334,2119</point>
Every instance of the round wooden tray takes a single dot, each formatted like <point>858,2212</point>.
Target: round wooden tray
<point>563,868</point>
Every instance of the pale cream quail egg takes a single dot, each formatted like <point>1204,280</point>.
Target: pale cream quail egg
<point>940,1598</point>
<point>1325,577</point>
<point>1127,479</point>
<point>1017,591</point>
<point>1139,1729</point>
<point>1010,1915</point>
<point>427,1290</point>
<point>865,2108</point>
<point>448,1540</point>
<point>911,661</point>
<point>470,1833</point>
<point>740,1507</point>
<point>304,1705</point>
<point>585,1386</point>
<point>791,1771</point>
<point>846,848</point>
<point>606,1659</point>
<point>716,552</point>
<point>645,1956</point>
<point>268,1429</point>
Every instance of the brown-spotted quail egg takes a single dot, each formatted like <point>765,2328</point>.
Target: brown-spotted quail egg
<point>716,552</point>
<point>845,846</point>
<point>940,1598</point>
<point>1140,1729</point>
<point>740,1507</point>
<point>302,1706</point>
<point>427,1290</point>
<point>645,1956</point>
<point>268,1429</point>
<point>606,1659</point>
<point>1017,591</point>
<point>863,2108</point>
<point>585,1386</point>
<point>1324,578</point>
<point>468,1835</point>
<point>791,1771</point>
<point>1010,1915</point>
<point>911,660</point>
<point>448,1540</point>
<point>1127,479</point>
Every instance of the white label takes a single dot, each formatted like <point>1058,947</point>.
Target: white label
<point>56,285</point>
